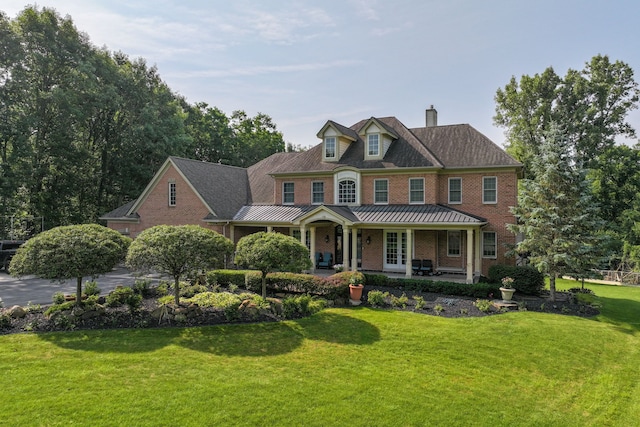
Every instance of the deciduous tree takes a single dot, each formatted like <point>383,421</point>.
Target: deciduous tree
<point>178,251</point>
<point>269,252</point>
<point>73,251</point>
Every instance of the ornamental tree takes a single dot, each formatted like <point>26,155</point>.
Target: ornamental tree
<point>72,251</point>
<point>178,251</point>
<point>269,252</point>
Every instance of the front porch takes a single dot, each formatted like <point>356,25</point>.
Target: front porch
<point>445,277</point>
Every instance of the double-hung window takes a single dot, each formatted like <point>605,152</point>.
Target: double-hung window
<point>455,190</point>
<point>381,191</point>
<point>317,193</point>
<point>373,145</point>
<point>288,193</point>
<point>453,243</point>
<point>489,189</point>
<point>330,147</point>
<point>416,190</point>
<point>489,244</point>
<point>172,194</point>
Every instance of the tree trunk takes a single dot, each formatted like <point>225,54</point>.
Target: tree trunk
<point>176,290</point>
<point>552,286</point>
<point>264,284</point>
<point>79,291</point>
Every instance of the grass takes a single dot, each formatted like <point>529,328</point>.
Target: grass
<point>357,367</point>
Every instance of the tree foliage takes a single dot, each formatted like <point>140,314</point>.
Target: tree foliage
<point>269,252</point>
<point>590,106</point>
<point>556,213</point>
<point>178,251</point>
<point>73,251</point>
<point>83,130</point>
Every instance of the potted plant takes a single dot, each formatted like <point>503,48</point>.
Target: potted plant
<point>338,268</point>
<point>355,291</point>
<point>507,289</point>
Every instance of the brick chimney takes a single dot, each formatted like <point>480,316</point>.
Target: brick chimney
<point>432,117</point>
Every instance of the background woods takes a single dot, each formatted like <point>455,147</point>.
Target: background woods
<point>83,130</point>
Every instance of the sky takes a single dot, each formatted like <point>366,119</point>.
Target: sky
<point>306,62</point>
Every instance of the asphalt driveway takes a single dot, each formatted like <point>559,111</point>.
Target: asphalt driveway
<point>27,289</point>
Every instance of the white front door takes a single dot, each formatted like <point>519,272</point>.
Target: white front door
<point>395,250</point>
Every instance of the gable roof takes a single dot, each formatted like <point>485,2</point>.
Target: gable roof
<point>224,189</point>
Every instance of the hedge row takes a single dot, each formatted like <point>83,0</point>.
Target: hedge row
<point>332,287</point>
<point>476,290</point>
<point>526,280</point>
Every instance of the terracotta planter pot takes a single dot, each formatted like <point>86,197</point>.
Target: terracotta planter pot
<point>507,293</point>
<point>355,292</point>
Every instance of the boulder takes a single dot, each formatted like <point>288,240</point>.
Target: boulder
<point>17,312</point>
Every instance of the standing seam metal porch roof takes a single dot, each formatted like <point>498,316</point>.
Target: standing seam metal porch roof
<point>365,214</point>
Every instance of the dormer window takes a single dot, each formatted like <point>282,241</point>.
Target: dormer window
<point>330,147</point>
<point>373,145</point>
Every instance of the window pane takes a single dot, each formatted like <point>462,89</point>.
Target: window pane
<point>489,244</point>
<point>317,196</point>
<point>330,147</point>
<point>416,190</point>
<point>347,192</point>
<point>455,190</point>
<point>374,145</point>
<point>381,191</point>
<point>489,193</point>
<point>287,192</point>
<point>453,243</point>
<point>172,194</point>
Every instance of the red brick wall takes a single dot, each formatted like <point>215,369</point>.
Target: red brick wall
<point>155,209</point>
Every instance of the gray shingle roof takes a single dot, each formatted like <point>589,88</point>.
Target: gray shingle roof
<point>224,188</point>
<point>121,212</point>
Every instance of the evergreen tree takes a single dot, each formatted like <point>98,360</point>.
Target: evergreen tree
<point>556,213</point>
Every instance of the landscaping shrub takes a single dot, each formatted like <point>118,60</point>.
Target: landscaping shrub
<point>58,298</point>
<point>91,288</point>
<point>5,320</point>
<point>475,290</point>
<point>301,306</point>
<point>377,298</point>
<point>375,280</point>
<point>189,290</point>
<point>333,287</point>
<point>124,295</point>
<point>143,287</point>
<point>527,280</point>
<point>226,277</point>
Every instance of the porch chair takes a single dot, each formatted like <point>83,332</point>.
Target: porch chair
<point>426,267</point>
<point>323,261</point>
<point>416,264</point>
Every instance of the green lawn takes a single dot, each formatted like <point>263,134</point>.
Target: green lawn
<point>340,367</point>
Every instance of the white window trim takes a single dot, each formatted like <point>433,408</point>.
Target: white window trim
<point>491,202</point>
<point>335,148</point>
<point>341,176</point>
<point>423,191</point>
<point>173,194</point>
<point>376,155</point>
<point>449,192</point>
<point>283,193</point>
<point>312,193</point>
<point>495,245</point>
<point>375,202</point>
<point>449,232</point>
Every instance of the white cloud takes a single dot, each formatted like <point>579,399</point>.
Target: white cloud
<point>269,69</point>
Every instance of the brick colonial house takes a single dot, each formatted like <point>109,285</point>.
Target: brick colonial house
<point>372,196</point>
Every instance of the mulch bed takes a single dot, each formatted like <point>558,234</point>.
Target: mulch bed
<point>434,304</point>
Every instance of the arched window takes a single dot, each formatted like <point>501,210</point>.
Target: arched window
<point>347,192</point>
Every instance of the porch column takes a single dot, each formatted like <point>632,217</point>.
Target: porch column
<point>408,268</point>
<point>232,233</point>
<point>470,255</point>
<point>269,229</point>
<point>478,264</point>
<point>354,249</point>
<point>345,247</point>
<point>312,251</point>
